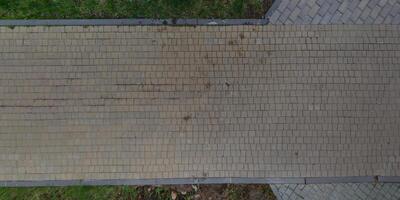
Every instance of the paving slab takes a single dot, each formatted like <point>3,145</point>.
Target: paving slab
<point>157,102</point>
<point>373,11</point>
<point>342,191</point>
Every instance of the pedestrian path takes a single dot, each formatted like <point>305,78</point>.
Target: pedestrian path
<point>151,102</point>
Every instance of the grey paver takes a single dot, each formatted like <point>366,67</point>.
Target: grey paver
<point>382,3</point>
<point>333,7</point>
<point>292,4</point>
<point>326,18</point>
<point>388,19</point>
<point>274,17</point>
<point>371,10</point>
<point>385,10</point>
<point>365,13</point>
<point>373,3</point>
<point>336,17</point>
<point>324,9</point>
<point>343,6</point>
<point>294,14</point>
<point>343,191</point>
<point>379,20</point>
<point>356,14</point>
<point>316,19</point>
<point>375,12</point>
<point>314,10</point>
<point>363,4</point>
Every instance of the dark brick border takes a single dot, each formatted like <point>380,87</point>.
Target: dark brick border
<point>131,22</point>
<point>179,181</point>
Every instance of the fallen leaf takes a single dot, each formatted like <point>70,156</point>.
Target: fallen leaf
<point>173,195</point>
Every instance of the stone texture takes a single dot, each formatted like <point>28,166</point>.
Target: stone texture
<point>335,12</point>
<point>342,191</point>
<point>108,102</point>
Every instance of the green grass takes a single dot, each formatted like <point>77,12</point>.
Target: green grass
<point>80,9</point>
<point>86,192</point>
<point>227,192</point>
<point>69,193</point>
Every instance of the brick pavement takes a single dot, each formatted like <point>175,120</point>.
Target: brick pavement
<point>335,12</point>
<point>130,102</point>
<point>342,191</point>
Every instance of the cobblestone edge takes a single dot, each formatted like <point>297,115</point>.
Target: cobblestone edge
<point>195,181</point>
<point>132,22</point>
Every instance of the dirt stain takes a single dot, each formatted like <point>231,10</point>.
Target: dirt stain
<point>187,117</point>
<point>241,35</point>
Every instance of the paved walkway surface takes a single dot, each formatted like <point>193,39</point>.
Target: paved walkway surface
<point>207,101</point>
<point>341,191</point>
<point>335,12</point>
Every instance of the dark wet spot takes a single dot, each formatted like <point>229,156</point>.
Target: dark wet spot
<point>227,84</point>
<point>241,36</point>
<point>207,85</point>
<point>187,117</point>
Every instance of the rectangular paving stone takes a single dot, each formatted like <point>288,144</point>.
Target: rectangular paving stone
<point>385,10</point>
<point>382,2</point>
<point>343,6</point>
<point>326,18</point>
<point>150,102</point>
<point>363,4</point>
<point>333,7</point>
<point>292,4</point>
<point>336,17</point>
<point>375,12</point>
<point>365,13</point>
<point>294,14</point>
<point>356,14</point>
<point>314,10</point>
<point>316,19</point>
